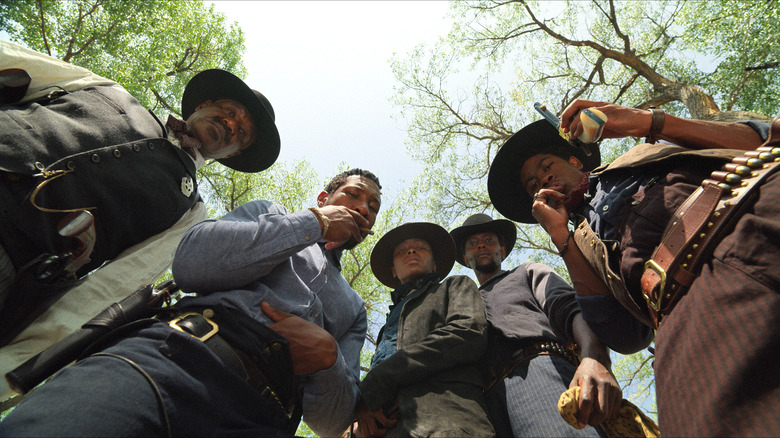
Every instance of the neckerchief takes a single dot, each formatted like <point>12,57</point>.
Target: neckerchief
<point>403,290</point>
<point>178,135</point>
<point>178,128</point>
<point>577,194</point>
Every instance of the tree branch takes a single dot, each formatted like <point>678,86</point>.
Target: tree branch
<point>43,28</point>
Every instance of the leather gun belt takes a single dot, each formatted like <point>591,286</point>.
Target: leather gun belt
<point>202,327</point>
<point>540,348</point>
<point>702,221</point>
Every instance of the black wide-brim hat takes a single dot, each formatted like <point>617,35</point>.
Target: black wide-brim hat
<point>218,84</point>
<point>505,188</point>
<point>482,223</point>
<point>438,238</point>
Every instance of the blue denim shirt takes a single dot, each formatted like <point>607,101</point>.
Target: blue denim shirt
<point>389,340</point>
<point>260,252</point>
<point>388,335</point>
<point>606,196</point>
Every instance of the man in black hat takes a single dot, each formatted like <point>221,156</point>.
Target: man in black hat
<point>534,324</point>
<point>271,332</point>
<point>424,379</point>
<point>73,141</point>
<point>699,278</point>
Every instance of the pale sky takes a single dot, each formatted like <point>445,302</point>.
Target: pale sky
<point>325,68</point>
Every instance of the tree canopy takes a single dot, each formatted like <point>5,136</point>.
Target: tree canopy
<point>707,60</point>
<point>152,48</point>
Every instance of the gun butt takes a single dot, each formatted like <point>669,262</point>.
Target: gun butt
<point>143,303</point>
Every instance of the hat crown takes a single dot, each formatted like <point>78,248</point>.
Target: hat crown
<point>266,103</point>
<point>477,219</point>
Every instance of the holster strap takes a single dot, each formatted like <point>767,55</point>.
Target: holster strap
<point>206,330</point>
<point>701,222</point>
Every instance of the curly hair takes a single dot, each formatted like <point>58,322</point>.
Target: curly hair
<point>341,178</point>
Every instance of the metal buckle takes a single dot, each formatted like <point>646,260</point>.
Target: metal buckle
<point>174,323</point>
<point>651,264</point>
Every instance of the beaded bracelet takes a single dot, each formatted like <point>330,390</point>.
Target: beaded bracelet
<point>322,218</point>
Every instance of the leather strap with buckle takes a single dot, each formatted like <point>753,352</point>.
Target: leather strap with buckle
<point>201,327</point>
<point>701,222</point>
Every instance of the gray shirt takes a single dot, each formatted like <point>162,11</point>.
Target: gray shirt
<point>260,252</point>
<point>526,304</point>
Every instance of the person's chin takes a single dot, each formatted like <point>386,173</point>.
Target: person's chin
<point>487,267</point>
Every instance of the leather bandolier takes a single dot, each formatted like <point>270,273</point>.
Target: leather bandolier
<point>702,221</point>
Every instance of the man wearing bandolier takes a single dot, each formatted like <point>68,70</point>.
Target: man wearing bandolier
<point>706,276</point>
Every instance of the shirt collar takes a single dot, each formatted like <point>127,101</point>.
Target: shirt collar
<point>498,274</point>
<point>405,289</point>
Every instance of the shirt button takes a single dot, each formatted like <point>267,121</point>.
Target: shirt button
<point>605,208</point>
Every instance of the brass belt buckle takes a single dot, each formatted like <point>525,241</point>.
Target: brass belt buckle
<point>651,264</point>
<point>174,323</point>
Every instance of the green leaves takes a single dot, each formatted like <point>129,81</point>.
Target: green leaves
<point>152,48</point>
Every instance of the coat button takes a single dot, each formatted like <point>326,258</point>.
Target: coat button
<point>136,147</point>
<point>71,165</point>
<point>95,158</point>
<point>151,145</point>
<point>117,153</point>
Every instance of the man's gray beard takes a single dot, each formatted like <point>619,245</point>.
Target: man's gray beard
<point>488,268</point>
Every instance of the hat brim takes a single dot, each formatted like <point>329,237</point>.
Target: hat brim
<point>505,188</point>
<point>437,237</point>
<point>501,227</point>
<point>218,84</point>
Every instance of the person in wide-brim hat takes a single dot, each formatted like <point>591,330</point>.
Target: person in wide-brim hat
<point>482,223</point>
<point>218,84</point>
<point>506,190</point>
<point>438,238</point>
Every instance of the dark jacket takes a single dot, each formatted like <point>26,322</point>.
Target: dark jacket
<point>442,331</point>
<point>96,147</point>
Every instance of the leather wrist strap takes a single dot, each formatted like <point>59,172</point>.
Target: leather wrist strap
<point>565,246</point>
<point>656,124</point>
